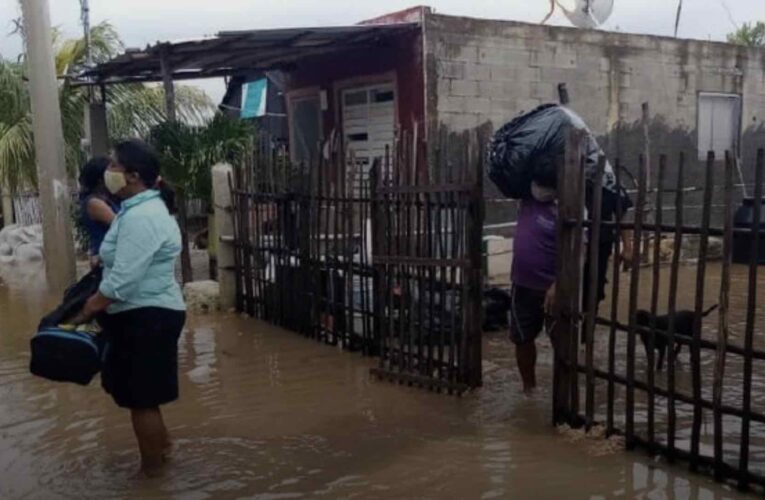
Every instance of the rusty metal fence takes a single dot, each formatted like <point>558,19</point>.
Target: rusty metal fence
<point>374,258</point>
<point>708,409</point>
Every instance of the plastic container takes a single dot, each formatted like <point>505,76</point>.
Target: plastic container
<point>742,243</point>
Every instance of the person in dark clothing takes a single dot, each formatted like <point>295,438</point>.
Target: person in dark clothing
<point>612,205</point>
<point>97,206</point>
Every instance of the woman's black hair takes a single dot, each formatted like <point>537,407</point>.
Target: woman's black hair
<point>167,193</point>
<point>140,158</point>
<point>92,175</point>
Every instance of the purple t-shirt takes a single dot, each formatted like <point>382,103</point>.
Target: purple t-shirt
<point>534,245</point>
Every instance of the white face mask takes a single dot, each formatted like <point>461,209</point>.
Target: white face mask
<point>542,194</point>
<point>114,181</point>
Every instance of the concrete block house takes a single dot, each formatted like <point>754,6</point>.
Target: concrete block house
<point>417,68</point>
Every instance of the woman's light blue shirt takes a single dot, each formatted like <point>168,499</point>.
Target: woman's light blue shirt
<point>139,254</point>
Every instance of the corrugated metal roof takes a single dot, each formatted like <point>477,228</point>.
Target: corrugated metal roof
<point>232,51</point>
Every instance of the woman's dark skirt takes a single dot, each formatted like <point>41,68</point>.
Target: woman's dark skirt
<point>140,368</point>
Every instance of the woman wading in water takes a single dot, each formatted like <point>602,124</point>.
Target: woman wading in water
<point>142,300</point>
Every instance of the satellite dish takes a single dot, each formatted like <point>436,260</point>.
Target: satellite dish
<point>586,13</point>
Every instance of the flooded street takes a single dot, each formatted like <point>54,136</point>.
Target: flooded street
<point>265,413</point>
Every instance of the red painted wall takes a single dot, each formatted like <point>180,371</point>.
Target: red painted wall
<point>400,56</point>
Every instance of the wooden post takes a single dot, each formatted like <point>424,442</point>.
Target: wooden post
<point>6,205</point>
<point>751,307</point>
<point>611,393</point>
<point>672,306</point>
<point>722,332</point>
<point>645,117</point>
<point>167,83</point>
<point>53,182</point>
<point>658,211</point>
<point>629,429</point>
<point>567,283</point>
<point>699,308</point>
<point>475,280</point>
<point>563,96</point>
<point>592,298</point>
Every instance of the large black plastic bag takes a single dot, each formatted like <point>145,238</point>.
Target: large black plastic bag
<point>537,140</point>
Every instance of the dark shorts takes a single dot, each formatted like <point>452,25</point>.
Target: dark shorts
<point>527,314</point>
<point>604,254</point>
<point>140,366</point>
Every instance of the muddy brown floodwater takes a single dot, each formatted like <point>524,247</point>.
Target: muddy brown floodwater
<point>266,413</point>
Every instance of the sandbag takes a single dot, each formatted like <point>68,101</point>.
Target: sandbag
<point>536,140</point>
<point>64,355</point>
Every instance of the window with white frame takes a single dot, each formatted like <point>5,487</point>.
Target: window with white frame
<point>719,124</point>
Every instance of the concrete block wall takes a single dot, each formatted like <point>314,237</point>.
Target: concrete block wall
<point>481,72</point>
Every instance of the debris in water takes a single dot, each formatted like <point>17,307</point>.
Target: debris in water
<point>597,442</point>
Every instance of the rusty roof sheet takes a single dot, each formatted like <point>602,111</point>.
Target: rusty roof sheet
<point>233,51</point>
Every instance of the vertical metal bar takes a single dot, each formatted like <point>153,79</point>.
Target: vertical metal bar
<point>722,333</point>
<point>750,321</point>
<point>655,282</point>
<point>699,308</point>
<point>672,306</point>
<point>592,298</point>
<point>611,392</point>
<point>634,287</point>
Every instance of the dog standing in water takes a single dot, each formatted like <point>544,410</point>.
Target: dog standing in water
<point>683,328</point>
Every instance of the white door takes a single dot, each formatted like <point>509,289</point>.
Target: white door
<point>369,123</point>
<point>719,124</point>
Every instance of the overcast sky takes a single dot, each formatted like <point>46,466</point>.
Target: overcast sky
<point>141,22</point>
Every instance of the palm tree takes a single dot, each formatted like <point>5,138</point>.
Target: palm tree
<point>751,35</point>
<point>188,152</point>
<point>132,109</point>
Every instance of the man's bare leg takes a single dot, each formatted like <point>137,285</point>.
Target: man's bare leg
<point>526,356</point>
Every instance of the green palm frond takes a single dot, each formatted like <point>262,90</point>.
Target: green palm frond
<point>132,110</point>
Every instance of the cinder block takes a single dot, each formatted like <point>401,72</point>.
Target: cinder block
<point>501,73</point>
<point>458,52</point>
<point>452,104</point>
<point>458,122</point>
<point>451,69</point>
<point>526,105</point>
<point>496,90</point>
<point>477,71</point>
<point>467,88</point>
<point>481,105</point>
<point>544,92</point>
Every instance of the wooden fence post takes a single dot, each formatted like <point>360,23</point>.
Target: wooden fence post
<point>567,285</point>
